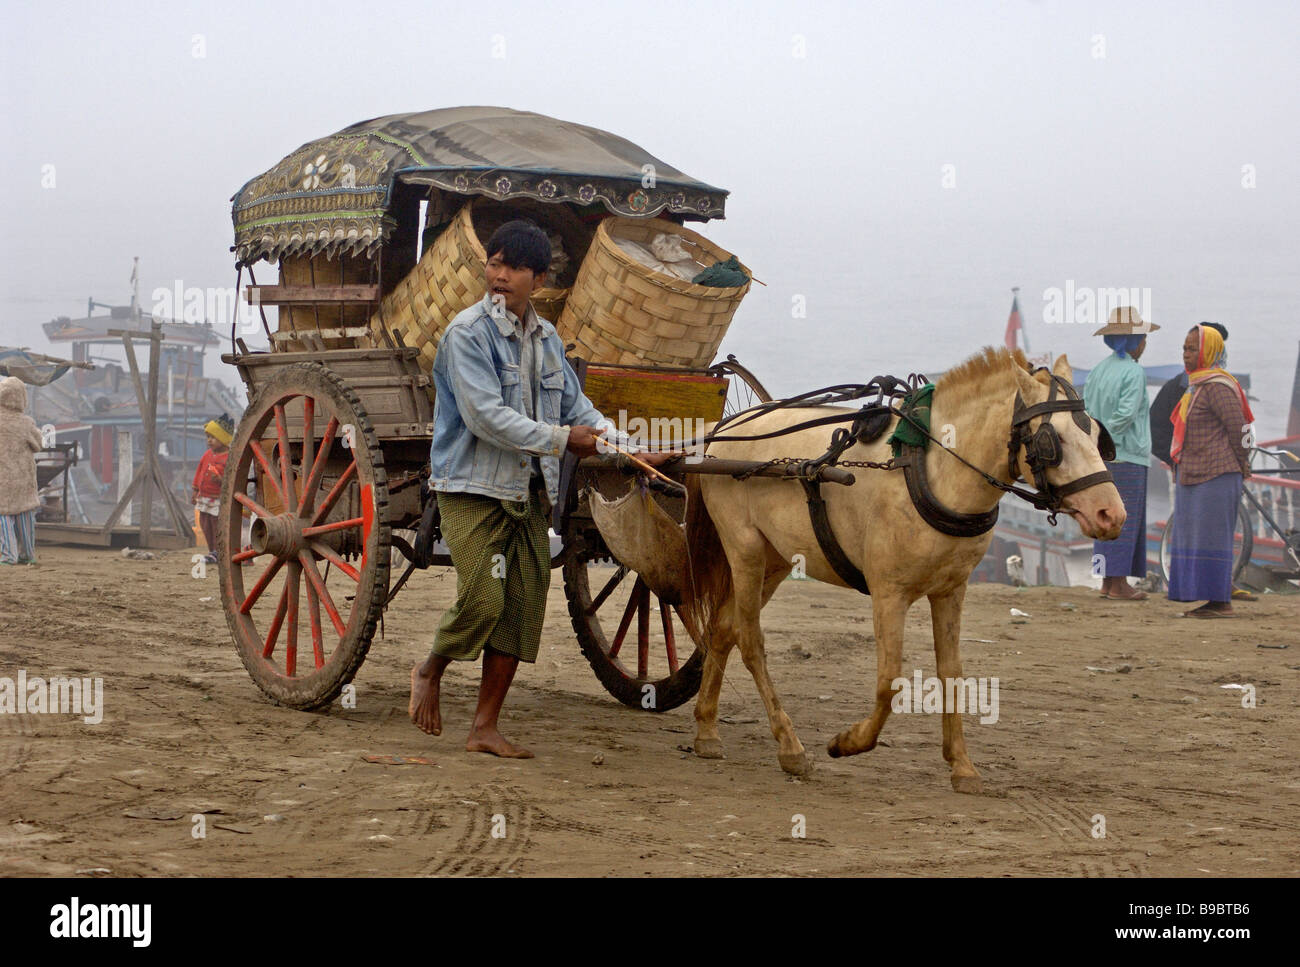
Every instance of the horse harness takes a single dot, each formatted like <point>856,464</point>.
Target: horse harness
<point>894,397</point>
<point>1043,446</point>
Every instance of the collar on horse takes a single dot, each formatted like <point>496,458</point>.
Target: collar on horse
<point>910,439</point>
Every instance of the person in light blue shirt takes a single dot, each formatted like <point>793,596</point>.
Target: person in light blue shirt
<point>1115,393</point>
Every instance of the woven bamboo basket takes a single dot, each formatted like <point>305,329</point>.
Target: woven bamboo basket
<point>620,311</point>
<point>447,280</point>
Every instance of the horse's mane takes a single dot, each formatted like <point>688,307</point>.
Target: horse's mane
<point>971,372</point>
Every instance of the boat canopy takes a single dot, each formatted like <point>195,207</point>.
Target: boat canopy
<point>334,195</point>
<point>35,369</point>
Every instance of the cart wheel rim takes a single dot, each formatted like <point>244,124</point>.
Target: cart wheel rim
<point>634,639</point>
<point>303,593</point>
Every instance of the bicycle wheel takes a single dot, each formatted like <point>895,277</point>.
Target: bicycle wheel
<point>1243,541</point>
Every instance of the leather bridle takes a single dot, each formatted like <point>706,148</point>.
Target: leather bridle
<point>1043,449</point>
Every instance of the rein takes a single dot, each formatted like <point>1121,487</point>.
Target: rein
<point>895,397</point>
<point>1042,448</point>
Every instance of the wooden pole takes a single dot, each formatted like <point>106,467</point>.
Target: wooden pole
<point>151,433</point>
<point>149,474</point>
<point>185,419</point>
<point>125,467</point>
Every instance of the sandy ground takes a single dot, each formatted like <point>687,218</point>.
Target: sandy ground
<point>1188,781</point>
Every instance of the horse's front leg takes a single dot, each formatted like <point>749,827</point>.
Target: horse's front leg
<point>717,642</point>
<point>945,618</point>
<point>748,581</point>
<point>888,611</point>
<point>719,639</point>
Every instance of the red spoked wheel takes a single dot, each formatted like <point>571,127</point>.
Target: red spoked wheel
<point>634,640</point>
<point>303,596</point>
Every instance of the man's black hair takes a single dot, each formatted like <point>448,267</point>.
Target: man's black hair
<point>1223,330</point>
<point>521,245</point>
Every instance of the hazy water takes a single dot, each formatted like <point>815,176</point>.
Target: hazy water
<point>916,295</point>
<point>941,291</point>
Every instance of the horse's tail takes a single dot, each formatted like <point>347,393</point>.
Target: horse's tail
<point>708,574</point>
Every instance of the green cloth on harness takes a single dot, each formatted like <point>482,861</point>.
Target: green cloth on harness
<point>916,405</point>
<point>503,572</point>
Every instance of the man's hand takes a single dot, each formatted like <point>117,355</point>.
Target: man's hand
<point>660,458</point>
<point>583,439</point>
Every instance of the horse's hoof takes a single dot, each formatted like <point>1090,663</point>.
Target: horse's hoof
<point>971,785</point>
<point>838,746</point>
<point>795,763</point>
<point>709,749</point>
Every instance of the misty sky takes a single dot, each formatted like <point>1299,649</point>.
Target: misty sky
<point>1099,142</point>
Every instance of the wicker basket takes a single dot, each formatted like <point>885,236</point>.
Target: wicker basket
<point>447,280</point>
<point>620,311</point>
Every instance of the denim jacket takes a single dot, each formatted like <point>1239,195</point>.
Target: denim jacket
<point>482,440</point>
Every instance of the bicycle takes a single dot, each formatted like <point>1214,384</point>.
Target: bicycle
<point>1244,538</point>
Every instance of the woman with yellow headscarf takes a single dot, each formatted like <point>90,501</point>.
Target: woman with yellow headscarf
<point>1211,454</point>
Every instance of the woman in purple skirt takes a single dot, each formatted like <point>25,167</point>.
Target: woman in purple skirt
<point>1211,454</point>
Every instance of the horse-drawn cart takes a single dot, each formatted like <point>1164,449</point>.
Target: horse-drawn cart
<point>328,466</point>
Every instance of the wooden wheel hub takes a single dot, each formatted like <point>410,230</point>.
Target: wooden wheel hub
<point>280,535</point>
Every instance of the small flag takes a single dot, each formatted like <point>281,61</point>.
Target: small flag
<point>1014,323</point>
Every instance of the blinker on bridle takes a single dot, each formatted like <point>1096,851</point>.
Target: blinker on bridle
<point>1042,446</point>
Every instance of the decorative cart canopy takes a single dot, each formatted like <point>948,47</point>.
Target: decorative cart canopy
<point>333,195</point>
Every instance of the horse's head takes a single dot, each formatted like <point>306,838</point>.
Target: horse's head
<point>1056,447</point>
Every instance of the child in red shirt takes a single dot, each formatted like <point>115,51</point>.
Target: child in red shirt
<point>206,492</point>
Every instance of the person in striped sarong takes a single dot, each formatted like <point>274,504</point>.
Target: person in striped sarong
<point>508,405</point>
<point>1116,394</point>
<point>19,442</point>
<point>1211,452</point>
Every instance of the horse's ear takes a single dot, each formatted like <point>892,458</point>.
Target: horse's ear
<point>1062,369</point>
<point>1026,382</point>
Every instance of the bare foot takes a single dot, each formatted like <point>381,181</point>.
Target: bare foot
<point>493,742</point>
<point>1118,589</point>
<point>1129,593</point>
<point>1211,609</point>
<point>424,709</point>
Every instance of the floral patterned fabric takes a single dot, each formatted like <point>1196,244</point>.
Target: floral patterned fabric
<point>331,196</point>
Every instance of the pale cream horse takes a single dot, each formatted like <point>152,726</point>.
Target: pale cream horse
<point>744,537</point>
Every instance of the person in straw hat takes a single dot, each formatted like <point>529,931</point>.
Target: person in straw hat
<point>508,406</point>
<point>1115,393</point>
